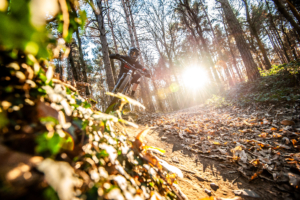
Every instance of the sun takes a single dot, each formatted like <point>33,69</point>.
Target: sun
<point>195,77</point>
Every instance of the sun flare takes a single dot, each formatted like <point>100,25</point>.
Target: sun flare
<point>195,77</point>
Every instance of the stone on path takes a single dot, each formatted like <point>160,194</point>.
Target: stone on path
<point>246,192</point>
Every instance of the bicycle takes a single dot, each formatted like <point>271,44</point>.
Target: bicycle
<point>123,86</point>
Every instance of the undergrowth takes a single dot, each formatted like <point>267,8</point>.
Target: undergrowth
<point>280,84</point>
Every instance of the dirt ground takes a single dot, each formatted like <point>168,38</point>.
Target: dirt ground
<point>203,176</point>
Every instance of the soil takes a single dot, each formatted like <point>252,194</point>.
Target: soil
<point>200,173</point>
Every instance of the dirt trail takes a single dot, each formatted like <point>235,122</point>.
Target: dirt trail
<point>202,173</point>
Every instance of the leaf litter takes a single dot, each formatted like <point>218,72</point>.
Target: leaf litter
<point>259,144</point>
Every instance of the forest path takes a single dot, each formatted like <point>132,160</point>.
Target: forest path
<point>199,141</point>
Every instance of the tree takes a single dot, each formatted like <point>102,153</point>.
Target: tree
<point>105,51</point>
<point>192,15</point>
<point>286,14</point>
<point>252,22</point>
<point>250,65</point>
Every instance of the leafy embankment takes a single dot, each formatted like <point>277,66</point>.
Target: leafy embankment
<point>52,144</point>
<point>47,127</point>
<point>280,84</point>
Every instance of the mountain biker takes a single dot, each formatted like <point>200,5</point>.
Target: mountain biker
<point>132,59</point>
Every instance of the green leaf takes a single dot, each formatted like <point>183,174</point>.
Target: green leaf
<point>48,143</point>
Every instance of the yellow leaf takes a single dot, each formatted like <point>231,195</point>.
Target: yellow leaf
<point>273,129</point>
<point>216,143</point>
<point>153,148</point>
<point>171,178</point>
<point>207,198</point>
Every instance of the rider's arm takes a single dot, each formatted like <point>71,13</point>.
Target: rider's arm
<point>147,72</point>
<point>116,56</point>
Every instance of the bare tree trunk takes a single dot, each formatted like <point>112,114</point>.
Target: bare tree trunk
<point>128,23</point>
<point>279,41</point>
<point>83,64</point>
<point>216,47</point>
<point>231,52</point>
<point>251,67</point>
<point>111,28</point>
<point>255,34</point>
<point>275,47</point>
<point>72,64</point>
<point>289,42</point>
<point>286,14</point>
<point>105,52</point>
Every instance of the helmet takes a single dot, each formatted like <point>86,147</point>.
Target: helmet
<point>134,53</point>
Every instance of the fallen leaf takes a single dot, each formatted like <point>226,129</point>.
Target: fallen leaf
<point>287,122</point>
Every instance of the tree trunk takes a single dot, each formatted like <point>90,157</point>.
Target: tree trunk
<point>111,28</point>
<point>275,47</point>
<point>231,52</point>
<point>294,11</point>
<point>286,14</point>
<point>255,34</point>
<point>128,23</point>
<point>105,51</point>
<point>216,47</point>
<point>289,42</point>
<point>251,67</point>
<point>72,64</point>
<point>83,64</point>
<point>279,41</point>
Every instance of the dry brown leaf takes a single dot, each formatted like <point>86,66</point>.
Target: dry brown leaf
<point>287,122</point>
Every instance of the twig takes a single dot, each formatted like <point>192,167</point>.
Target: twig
<point>235,179</point>
<point>56,81</point>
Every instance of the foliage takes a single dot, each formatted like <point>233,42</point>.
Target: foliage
<point>86,146</point>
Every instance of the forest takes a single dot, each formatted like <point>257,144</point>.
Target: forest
<point>214,115</point>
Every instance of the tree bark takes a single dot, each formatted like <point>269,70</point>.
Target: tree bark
<point>105,51</point>
<point>251,67</point>
<point>286,14</point>
<point>83,64</point>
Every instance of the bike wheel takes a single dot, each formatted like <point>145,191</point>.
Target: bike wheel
<point>114,103</point>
